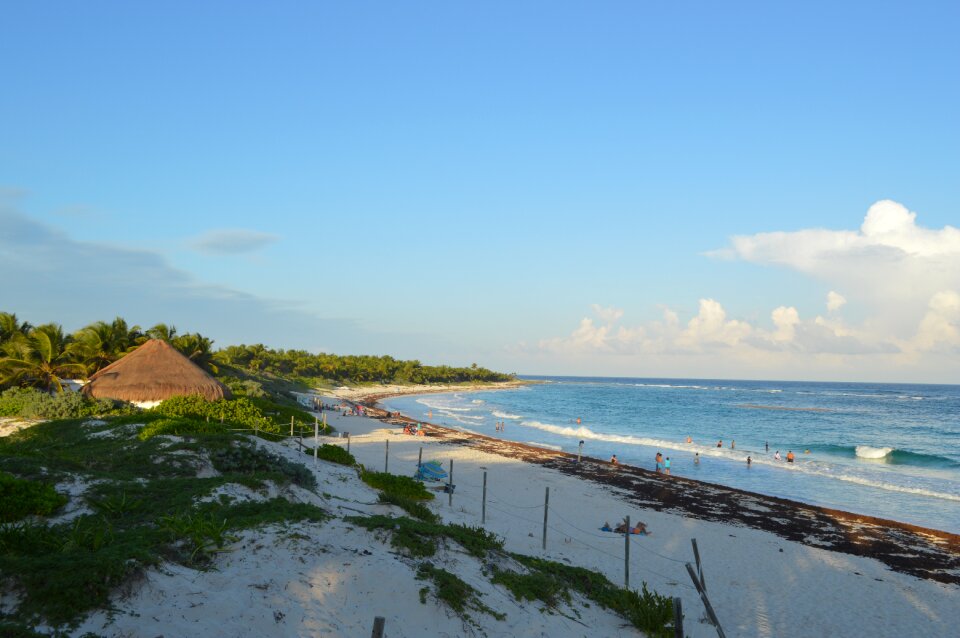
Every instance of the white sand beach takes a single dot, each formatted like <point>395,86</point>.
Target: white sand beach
<point>332,579</point>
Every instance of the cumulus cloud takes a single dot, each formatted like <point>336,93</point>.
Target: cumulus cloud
<point>231,241</point>
<point>891,265</point>
<point>712,331</point>
<point>610,314</point>
<point>835,301</point>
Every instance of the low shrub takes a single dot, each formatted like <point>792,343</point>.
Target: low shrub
<point>648,611</point>
<point>419,538</point>
<point>24,498</point>
<point>396,485</point>
<point>180,427</point>
<point>410,506</point>
<point>31,403</point>
<point>454,592</point>
<point>246,458</point>
<point>334,454</point>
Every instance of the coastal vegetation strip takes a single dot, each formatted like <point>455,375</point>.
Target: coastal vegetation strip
<point>45,356</point>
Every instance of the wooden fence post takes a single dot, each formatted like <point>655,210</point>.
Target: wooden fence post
<point>677,618</point>
<point>420,458</point>
<point>696,556</point>
<point>626,555</point>
<point>450,485</point>
<point>291,426</point>
<point>483,515</point>
<point>386,459</point>
<point>706,601</point>
<point>378,623</point>
<point>316,442</point>
<point>348,442</point>
<point>546,508</point>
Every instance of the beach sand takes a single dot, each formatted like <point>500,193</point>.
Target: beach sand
<point>771,567</point>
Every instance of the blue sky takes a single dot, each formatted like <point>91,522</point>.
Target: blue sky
<point>465,183</point>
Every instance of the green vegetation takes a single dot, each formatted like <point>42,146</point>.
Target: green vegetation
<point>419,538</point>
<point>146,506</point>
<point>42,356</point>
<point>334,454</point>
<point>550,581</point>
<point>453,592</point>
<point>397,485</point>
<point>31,403</point>
<point>352,368</point>
<point>410,506</point>
<point>22,498</point>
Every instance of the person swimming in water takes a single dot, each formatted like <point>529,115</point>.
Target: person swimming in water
<point>720,443</point>
<point>696,459</point>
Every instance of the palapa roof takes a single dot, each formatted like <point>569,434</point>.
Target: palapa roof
<point>153,372</point>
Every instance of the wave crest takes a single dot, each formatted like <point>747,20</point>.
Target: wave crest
<point>868,452</point>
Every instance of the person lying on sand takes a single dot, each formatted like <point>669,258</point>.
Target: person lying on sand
<point>639,528</point>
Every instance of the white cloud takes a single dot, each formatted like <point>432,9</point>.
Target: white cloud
<point>890,265</point>
<point>835,301</point>
<point>940,327</point>
<point>609,314</point>
<point>231,241</point>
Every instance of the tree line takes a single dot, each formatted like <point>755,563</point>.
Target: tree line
<point>43,356</point>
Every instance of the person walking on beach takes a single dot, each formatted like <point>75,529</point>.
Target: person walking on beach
<point>659,460</point>
<point>666,466</point>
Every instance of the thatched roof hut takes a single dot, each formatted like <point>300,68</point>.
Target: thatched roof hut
<point>153,372</point>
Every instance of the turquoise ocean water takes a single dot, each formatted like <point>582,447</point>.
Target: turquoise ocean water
<point>880,449</point>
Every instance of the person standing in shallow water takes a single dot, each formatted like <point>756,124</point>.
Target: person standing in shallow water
<point>666,466</point>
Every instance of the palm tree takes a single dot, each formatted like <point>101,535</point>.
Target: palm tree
<point>100,344</point>
<point>11,329</point>
<point>164,332</point>
<point>198,349</point>
<point>42,360</point>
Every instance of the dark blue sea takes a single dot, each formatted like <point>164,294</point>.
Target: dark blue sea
<point>884,450</point>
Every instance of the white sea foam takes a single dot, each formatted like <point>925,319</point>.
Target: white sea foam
<point>505,415</point>
<point>477,401</point>
<point>441,406</point>
<point>867,452</point>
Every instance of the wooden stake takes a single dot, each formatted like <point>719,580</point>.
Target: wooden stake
<point>316,442</point>
<point>626,555</point>
<point>291,426</point>
<point>386,459</point>
<point>420,458</point>
<point>348,441</point>
<point>483,515</point>
<point>378,623</point>
<point>677,618</point>
<point>696,556</point>
<point>450,484</point>
<point>546,508</point>
<point>706,601</point>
